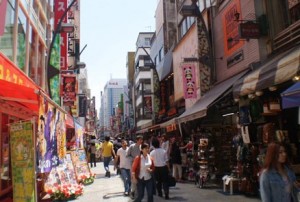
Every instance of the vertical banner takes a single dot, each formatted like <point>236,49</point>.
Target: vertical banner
<point>3,5</point>
<point>79,135</point>
<point>68,89</point>
<point>22,161</point>
<point>189,80</point>
<point>147,104</point>
<point>82,105</point>
<point>55,63</point>
<point>60,8</point>
<point>51,138</point>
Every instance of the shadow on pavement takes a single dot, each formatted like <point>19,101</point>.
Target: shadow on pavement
<point>113,195</point>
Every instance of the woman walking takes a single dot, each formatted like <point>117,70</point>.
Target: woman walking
<point>142,168</point>
<point>277,181</point>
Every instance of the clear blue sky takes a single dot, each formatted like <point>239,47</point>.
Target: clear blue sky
<point>110,30</point>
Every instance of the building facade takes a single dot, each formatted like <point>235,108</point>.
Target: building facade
<point>110,98</point>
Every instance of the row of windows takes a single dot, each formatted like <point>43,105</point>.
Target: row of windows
<point>31,33</point>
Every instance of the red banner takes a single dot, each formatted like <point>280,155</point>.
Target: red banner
<point>68,89</point>
<point>189,80</point>
<point>60,8</point>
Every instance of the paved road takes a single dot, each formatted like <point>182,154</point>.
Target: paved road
<point>111,190</point>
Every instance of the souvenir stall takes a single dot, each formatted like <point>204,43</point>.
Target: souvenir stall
<point>263,118</point>
<point>18,112</point>
<point>32,139</point>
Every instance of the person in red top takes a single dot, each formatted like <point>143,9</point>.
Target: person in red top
<point>142,168</point>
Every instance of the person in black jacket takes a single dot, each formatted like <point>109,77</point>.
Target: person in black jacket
<point>175,159</point>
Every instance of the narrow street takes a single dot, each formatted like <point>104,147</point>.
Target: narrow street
<point>111,189</point>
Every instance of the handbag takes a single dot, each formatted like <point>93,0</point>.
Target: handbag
<point>171,181</point>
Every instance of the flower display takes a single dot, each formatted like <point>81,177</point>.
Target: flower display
<point>65,192</point>
<point>86,179</point>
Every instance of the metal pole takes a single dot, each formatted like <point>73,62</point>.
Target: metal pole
<point>56,31</point>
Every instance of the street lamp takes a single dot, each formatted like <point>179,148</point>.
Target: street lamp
<point>60,27</point>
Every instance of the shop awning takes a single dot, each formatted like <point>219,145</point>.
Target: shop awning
<point>277,70</point>
<point>199,109</point>
<point>16,88</point>
<point>167,123</point>
<point>22,96</point>
<point>291,96</point>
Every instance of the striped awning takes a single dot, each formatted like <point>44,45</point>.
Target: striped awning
<point>279,69</point>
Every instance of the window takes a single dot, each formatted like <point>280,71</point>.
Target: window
<point>147,41</point>
<point>185,25</point>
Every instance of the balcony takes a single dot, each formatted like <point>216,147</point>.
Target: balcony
<point>288,37</point>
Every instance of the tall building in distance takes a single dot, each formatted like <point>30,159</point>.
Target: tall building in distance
<point>109,100</point>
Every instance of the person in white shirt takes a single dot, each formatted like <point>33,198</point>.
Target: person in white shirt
<point>161,171</point>
<point>142,169</point>
<point>125,166</point>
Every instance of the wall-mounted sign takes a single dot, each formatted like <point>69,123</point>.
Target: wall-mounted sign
<point>231,28</point>
<point>249,30</point>
<point>189,80</point>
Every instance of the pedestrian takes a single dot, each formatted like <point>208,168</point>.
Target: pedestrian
<point>175,159</point>
<point>124,165</point>
<point>117,145</point>
<point>161,171</point>
<point>133,151</point>
<point>277,180</point>
<point>165,144</point>
<point>92,151</point>
<point>142,169</point>
<point>108,153</point>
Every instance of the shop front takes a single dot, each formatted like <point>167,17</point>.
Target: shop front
<point>33,139</point>
<point>266,115</point>
<point>209,126</point>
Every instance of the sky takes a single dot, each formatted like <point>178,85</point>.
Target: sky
<point>110,29</point>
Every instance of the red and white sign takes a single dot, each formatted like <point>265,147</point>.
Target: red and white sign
<point>189,80</point>
<point>68,88</point>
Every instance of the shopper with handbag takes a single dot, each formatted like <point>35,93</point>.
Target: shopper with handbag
<point>142,169</point>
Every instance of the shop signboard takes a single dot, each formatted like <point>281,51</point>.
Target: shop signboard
<point>189,80</point>
<point>51,137</point>
<point>80,163</point>
<point>22,161</point>
<point>9,72</point>
<point>63,174</point>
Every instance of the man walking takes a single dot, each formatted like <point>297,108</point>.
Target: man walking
<point>133,151</point>
<point>108,152</point>
<point>124,165</point>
